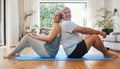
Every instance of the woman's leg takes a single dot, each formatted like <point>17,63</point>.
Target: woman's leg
<point>37,46</point>
<point>21,45</point>
<point>95,41</point>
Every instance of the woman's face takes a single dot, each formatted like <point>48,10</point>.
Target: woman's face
<point>66,14</point>
<point>57,17</point>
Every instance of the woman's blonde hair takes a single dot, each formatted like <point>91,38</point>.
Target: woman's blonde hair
<point>59,13</point>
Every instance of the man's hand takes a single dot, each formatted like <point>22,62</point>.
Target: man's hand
<point>103,34</point>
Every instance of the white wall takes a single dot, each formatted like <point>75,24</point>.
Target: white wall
<point>116,4</point>
<point>107,4</point>
<point>21,16</point>
<point>93,5</point>
<point>12,24</point>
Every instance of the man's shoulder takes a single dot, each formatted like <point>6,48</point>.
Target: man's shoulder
<point>66,22</point>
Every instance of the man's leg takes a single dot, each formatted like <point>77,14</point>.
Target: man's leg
<point>95,41</point>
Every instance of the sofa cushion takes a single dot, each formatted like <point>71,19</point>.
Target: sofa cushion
<point>118,38</point>
<point>115,33</point>
<point>111,38</point>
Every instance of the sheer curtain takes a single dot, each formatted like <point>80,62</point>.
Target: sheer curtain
<point>12,22</point>
<point>116,4</point>
<point>25,6</point>
<point>31,5</point>
<point>94,5</point>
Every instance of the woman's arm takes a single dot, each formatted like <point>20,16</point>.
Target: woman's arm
<point>49,38</point>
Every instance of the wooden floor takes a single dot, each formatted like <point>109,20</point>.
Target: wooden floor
<point>13,64</point>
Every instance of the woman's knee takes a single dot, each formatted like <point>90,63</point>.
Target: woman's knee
<point>27,37</point>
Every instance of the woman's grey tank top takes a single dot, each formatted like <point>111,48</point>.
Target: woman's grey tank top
<point>53,47</point>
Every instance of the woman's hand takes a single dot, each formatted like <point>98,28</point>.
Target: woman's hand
<point>29,34</point>
<point>33,35</point>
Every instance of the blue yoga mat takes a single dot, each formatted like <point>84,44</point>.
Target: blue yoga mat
<point>62,57</point>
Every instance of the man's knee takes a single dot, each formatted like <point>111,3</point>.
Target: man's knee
<point>95,36</point>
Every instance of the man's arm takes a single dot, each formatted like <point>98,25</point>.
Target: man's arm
<point>86,30</point>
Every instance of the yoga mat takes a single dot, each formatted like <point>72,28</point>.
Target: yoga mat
<point>62,57</point>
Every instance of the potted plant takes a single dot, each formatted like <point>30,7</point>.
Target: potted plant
<point>26,15</point>
<point>105,21</point>
<point>25,28</point>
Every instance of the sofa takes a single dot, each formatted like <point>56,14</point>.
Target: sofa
<point>45,31</point>
<point>112,41</point>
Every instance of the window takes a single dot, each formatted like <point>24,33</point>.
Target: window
<point>78,12</point>
<point>47,11</point>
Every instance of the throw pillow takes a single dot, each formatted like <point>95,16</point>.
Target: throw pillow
<point>118,38</point>
<point>115,33</point>
<point>111,38</point>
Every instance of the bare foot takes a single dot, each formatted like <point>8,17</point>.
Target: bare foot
<point>9,56</point>
<point>17,54</point>
<point>12,56</point>
<point>110,55</point>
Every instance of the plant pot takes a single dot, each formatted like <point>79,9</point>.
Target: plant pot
<point>108,31</point>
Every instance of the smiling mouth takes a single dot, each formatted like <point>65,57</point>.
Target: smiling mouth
<point>68,16</point>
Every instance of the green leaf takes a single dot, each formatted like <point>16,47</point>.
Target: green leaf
<point>106,21</point>
<point>47,11</point>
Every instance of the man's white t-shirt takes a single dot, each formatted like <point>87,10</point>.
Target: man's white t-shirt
<point>69,38</point>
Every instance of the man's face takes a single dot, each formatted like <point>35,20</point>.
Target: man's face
<point>66,14</point>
